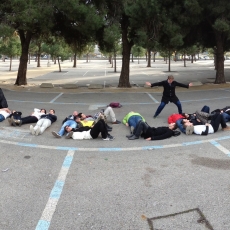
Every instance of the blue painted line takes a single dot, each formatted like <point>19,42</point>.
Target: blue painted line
<point>109,149</point>
<point>66,148</point>
<point>215,143</point>
<point>27,144</point>
<point>222,138</point>
<point>68,161</point>
<point>57,190</point>
<point>192,143</point>
<point>43,225</point>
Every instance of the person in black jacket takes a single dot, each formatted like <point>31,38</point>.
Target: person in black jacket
<point>3,102</point>
<point>152,133</point>
<point>45,121</point>
<point>168,93</point>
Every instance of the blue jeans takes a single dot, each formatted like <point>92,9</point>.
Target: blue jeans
<point>205,109</point>
<point>134,120</point>
<point>226,117</point>
<point>162,105</point>
<point>180,125</point>
<point>71,123</point>
<point>2,118</point>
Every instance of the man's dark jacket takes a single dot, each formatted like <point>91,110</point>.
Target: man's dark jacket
<point>169,90</point>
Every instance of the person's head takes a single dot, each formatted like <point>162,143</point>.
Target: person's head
<point>52,111</point>
<point>68,128</point>
<point>187,123</point>
<point>172,126</point>
<point>75,113</point>
<point>185,115</point>
<point>42,110</point>
<point>170,79</point>
<point>82,116</point>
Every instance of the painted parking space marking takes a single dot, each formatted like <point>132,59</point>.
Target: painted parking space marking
<point>124,103</point>
<point>52,101</point>
<point>8,133</point>
<point>46,217</point>
<point>156,101</point>
<point>151,147</point>
<point>220,147</point>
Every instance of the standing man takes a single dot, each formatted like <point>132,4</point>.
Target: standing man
<point>168,93</point>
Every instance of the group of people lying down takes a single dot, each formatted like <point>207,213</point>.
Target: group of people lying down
<point>80,126</point>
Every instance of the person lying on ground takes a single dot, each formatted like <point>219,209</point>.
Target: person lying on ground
<point>90,121</point>
<point>209,128</point>
<point>192,118</point>
<point>33,118</point>
<point>4,113</point>
<point>89,132</point>
<point>131,120</point>
<point>3,102</point>
<point>225,112</point>
<point>45,122</point>
<point>152,133</point>
<point>108,113</point>
<point>71,121</point>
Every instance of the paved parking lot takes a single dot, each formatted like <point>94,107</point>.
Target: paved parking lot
<point>178,183</point>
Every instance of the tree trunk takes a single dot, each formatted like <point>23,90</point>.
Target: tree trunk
<point>184,60</point>
<point>39,55</point>
<point>192,59</point>
<point>154,56</point>
<point>59,65</point>
<point>22,69</point>
<point>74,60</point>
<point>115,62</point>
<point>126,49</point>
<point>10,63</point>
<point>87,58</point>
<point>169,66</point>
<point>149,58</point>
<point>220,78</point>
<point>112,62</point>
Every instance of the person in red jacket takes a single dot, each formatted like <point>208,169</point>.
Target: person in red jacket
<point>178,118</point>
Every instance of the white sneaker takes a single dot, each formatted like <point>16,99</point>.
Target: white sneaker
<point>32,130</point>
<point>38,131</point>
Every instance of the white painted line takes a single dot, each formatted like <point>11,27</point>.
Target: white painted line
<point>152,98</point>
<point>145,73</point>
<point>44,222</point>
<point>220,147</point>
<point>135,83</point>
<point>56,98</point>
<point>85,73</point>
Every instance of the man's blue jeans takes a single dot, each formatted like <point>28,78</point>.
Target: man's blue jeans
<point>162,105</point>
<point>226,117</point>
<point>71,123</point>
<point>2,118</point>
<point>134,120</point>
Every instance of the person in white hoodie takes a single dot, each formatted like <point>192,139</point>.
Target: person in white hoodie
<point>4,113</point>
<point>33,118</point>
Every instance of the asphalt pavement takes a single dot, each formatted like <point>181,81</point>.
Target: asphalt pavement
<point>178,183</point>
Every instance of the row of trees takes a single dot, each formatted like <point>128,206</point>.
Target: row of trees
<point>169,26</point>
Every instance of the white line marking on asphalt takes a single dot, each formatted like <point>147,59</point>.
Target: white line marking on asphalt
<point>85,73</point>
<point>152,98</point>
<point>220,147</point>
<point>56,98</point>
<point>44,222</point>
